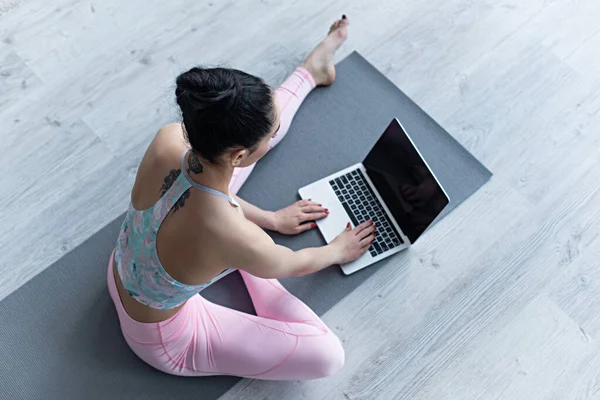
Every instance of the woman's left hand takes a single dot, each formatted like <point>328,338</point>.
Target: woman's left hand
<point>292,219</point>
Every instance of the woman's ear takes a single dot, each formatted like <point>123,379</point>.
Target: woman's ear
<point>237,157</point>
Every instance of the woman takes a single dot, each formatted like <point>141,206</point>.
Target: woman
<point>185,229</point>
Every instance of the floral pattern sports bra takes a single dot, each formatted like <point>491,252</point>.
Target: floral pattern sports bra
<point>136,258</point>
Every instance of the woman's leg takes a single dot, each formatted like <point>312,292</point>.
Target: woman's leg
<point>207,339</point>
<point>286,341</point>
<point>317,69</point>
<point>289,95</point>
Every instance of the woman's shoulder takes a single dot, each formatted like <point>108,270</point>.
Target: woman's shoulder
<point>157,166</point>
<point>169,142</point>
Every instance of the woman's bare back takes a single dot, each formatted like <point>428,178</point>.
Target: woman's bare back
<point>193,235</point>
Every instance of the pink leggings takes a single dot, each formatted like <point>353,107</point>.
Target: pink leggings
<point>286,341</point>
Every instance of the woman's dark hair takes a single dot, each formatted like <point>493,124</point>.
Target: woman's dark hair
<point>224,108</point>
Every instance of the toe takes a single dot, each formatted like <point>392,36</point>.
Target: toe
<point>336,25</point>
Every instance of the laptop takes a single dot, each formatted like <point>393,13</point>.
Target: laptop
<point>393,186</point>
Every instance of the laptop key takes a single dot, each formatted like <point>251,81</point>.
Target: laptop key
<point>384,247</point>
<point>350,214</point>
<point>344,179</point>
<point>377,247</point>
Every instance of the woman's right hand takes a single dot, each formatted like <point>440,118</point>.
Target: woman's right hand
<point>353,243</point>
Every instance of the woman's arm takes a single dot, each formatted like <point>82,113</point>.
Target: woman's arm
<point>252,250</point>
<point>290,220</point>
<point>262,218</point>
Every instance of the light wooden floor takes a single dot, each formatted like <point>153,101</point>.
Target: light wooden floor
<point>501,299</point>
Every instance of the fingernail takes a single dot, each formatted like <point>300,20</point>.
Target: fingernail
<point>313,225</point>
<point>327,210</point>
<point>320,205</point>
<point>348,226</point>
<point>344,16</point>
<point>309,199</point>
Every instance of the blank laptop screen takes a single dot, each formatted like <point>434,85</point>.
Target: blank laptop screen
<point>404,181</point>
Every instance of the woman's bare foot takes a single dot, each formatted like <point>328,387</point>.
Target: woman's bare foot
<point>320,61</point>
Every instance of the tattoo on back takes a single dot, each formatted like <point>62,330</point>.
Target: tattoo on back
<point>181,201</point>
<point>167,183</point>
<point>169,180</point>
<point>194,164</point>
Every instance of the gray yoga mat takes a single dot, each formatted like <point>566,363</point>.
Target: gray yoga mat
<point>60,337</point>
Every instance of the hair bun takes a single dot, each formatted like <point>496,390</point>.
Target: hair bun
<point>198,90</point>
<point>223,109</point>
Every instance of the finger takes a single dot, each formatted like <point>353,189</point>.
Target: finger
<point>366,246</point>
<point>363,226</point>
<point>313,216</point>
<point>313,208</point>
<point>368,239</point>
<point>309,202</point>
<point>368,232</point>
<point>306,227</point>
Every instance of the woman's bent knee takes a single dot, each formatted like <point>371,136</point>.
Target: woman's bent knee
<point>331,357</point>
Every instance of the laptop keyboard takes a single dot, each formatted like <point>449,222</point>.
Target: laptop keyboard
<point>361,204</point>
